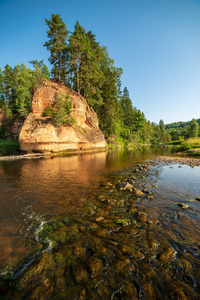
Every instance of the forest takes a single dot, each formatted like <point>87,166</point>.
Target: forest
<point>85,66</point>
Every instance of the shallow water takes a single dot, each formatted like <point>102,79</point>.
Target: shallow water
<point>69,231</point>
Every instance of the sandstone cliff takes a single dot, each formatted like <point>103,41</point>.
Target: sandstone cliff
<point>39,133</point>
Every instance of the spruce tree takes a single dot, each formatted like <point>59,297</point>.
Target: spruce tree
<point>57,45</point>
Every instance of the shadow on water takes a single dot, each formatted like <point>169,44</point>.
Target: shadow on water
<point>101,225</point>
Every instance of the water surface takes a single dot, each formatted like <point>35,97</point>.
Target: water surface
<point>128,246</point>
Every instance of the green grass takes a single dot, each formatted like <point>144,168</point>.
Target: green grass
<point>191,146</point>
<point>8,147</point>
<point>193,152</point>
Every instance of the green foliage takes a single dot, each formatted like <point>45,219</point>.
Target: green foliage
<point>178,125</point>
<point>57,34</point>
<point>62,113</point>
<point>16,87</point>
<point>193,129</point>
<point>183,130</point>
<point>21,90</point>
<point>48,112</point>
<point>191,143</point>
<point>8,147</point>
<point>39,74</point>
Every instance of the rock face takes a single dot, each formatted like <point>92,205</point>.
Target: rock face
<point>39,133</point>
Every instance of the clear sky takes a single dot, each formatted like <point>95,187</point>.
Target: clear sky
<point>155,42</point>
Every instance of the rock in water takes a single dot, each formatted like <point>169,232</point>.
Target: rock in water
<point>183,205</point>
<point>39,133</point>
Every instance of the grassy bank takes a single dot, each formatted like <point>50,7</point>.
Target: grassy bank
<point>8,147</point>
<point>190,147</point>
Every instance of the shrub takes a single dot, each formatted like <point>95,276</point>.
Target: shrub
<point>8,147</point>
<point>48,111</point>
<point>62,113</point>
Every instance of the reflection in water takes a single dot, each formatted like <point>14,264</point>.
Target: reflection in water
<point>33,188</point>
<point>35,193</point>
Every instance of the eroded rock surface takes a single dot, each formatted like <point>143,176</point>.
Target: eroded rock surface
<point>39,133</point>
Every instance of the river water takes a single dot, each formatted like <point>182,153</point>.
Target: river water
<point>100,226</point>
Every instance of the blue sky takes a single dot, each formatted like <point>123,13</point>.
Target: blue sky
<point>155,42</point>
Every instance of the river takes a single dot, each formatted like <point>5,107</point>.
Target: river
<point>117,225</point>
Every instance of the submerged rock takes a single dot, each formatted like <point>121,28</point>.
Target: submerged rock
<point>142,217</point>
<point>81,275</point>
<point>183,205</point>
<point>123,222</point>
<point>100,219</point>
<point>166,254</point>
<point>96,266</point>
<point>138,192</point>
<point>126,186</point>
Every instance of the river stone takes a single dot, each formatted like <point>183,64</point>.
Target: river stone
<point>126,186</point>
<point>166,255</point>
<point>138,192</point>
<point>96,266</point>
<point>123,222</point>
<point>197,198</point>
<point>79,251</point>
<point>81,275</point>
<point>142,217</point>
<point>60,291</point>
<point>183,205</point>
<point>130,291</point>
<point>131,251</point>
<point>60,264</point>
<point>100,219</point>
<point>122,264</point>
<point>103,233</point>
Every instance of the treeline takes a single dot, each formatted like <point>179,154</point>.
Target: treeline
<point>184,130</point>
<point>179,124</point>
<point>84,65</point>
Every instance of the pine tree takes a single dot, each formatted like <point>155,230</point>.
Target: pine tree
<point>8,84</point>
<point>109,112</point>
<point>57,45</point>
<point>39,73</point>
<point>77,46</point>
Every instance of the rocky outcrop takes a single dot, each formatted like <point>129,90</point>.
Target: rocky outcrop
<point>39,134</point>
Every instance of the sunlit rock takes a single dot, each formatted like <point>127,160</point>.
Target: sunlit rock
<point>39,133</point>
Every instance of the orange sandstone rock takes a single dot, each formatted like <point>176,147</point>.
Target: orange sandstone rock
<point>39,133</point>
